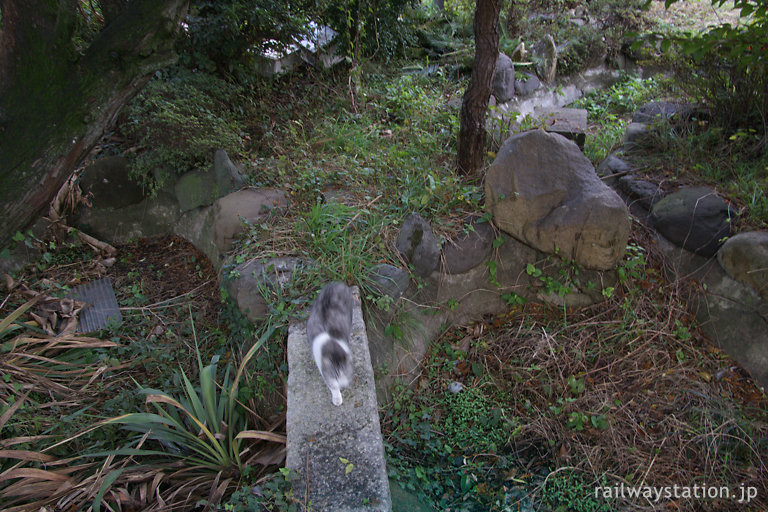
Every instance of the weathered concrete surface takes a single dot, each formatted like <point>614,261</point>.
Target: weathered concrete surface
<point>571,123</point>
<point>731,313</point>
<point>320,434</point>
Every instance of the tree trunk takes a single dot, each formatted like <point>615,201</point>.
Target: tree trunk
<point>54,104</point>
<point>471,144</point>
<point>513,23</point>
<point>110,9</point>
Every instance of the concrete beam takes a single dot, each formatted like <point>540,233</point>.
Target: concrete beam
<point>321,436</point>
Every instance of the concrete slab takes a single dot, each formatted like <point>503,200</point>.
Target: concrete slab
<point>337,452</point>
<point>569,122</point>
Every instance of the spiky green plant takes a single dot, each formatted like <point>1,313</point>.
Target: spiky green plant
<point>205,427</point>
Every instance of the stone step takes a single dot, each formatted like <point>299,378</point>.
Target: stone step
<point>320,434</point>
<point>569,122</point>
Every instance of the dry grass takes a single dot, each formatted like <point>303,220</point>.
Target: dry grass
<point>678,410</point>
<point>45,376</point>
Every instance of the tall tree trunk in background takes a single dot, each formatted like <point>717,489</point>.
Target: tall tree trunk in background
<point>471,144</point>
<point>54,104</point>
<point>513,23</point>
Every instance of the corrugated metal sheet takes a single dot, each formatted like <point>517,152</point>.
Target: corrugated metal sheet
<point>101,305</point>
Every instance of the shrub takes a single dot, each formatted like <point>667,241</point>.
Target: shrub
<point>179,120</point>
<point>221,33</point>
<point>726,68</point>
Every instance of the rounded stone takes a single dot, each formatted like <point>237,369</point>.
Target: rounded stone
<point>417,244</point>
<point>248,205</point>
<point>694,218</point>
<point>389,280</point>
<point>745,258</point>
<point>469,249</point>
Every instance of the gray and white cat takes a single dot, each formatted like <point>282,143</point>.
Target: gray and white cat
<point>328,330</point>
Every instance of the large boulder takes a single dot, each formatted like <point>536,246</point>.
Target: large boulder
<point>694,218</point>
<point>729,312</point>
<point>248,205</point>
<point>613,165</point>
<point>528,86</point>
<point>417,244</point>
<point>745,258</point>
<point>543,191</point>
<point>657,111</point>
<point>153,216</point>
<point>638,190</point>
<point>504,79</point>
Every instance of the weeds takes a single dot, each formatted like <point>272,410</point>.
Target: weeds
<point>179,121</point>
<point>609,111</point>
<point>623,392</point>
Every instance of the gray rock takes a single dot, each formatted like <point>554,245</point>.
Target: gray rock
<point>545,58</point>
<point>320,434</point>
<point>504,79</point>
<point>694,218</point>
<point>109,183</point>
<point>468,296</point>
<point>201,188</point>
<point>417,244</point>
<point>641,191</point>
<point>228,175</point>
<point>249,205</point>
<point>154,216</point>
<point>389,280</point>
<point>469,249</point>
<point>543,191</point>
<point>247,282</point>
<point>730,313</point>
<point>196,188</point>
<point>612,165</point>
<point>745,258</point>
<point>637,134</point>
<point>197,227</point>
<point>571,123</point>
<point>540,17</point>
<point>656,111</point>
<point>528,86</point>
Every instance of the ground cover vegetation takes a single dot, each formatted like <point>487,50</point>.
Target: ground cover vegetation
<point>182,405</point>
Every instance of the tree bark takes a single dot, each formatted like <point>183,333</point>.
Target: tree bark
<point>111,8</point>
<point>54,104</point>
<point>513,23</point>
<point>474,107</point>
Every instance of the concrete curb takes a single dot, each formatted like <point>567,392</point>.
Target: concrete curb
<point>320,434</point>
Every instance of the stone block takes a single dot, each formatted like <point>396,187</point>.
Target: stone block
<point>571,123</point>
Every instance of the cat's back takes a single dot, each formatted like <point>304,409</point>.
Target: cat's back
<point>332,312</point>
